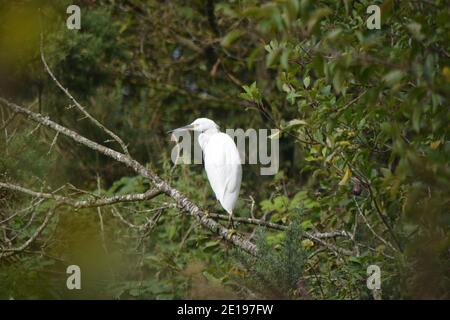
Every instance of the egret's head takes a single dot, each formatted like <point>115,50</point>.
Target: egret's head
<point>200,125</point>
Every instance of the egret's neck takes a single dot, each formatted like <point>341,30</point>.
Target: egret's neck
<point>203,137</point>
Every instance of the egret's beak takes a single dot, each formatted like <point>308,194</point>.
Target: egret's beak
<point>188,127</point>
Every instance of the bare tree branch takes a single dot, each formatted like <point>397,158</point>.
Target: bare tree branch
<point>150,194</point>
<point>276,226</point>
<point>316,236</point>
<point>183,202</point>
<point>8,121</point>
<point>388,244</point>
<point>27,191</point>
<point>77,104</point>
<point>6,252</point>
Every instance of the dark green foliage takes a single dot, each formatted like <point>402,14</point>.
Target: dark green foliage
<point>277,273</point>
<point>363,116</point>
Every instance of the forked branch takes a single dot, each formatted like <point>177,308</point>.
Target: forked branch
<point>182,201</point>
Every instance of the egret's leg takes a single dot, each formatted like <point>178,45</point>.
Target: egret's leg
<point>231,224</point>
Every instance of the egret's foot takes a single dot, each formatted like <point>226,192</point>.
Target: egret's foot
<point>230,234</point>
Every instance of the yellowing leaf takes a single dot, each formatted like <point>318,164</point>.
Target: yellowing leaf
<point>347,175</point>
<point>307,243</point>
<point>435,144</point>
<point>446,73</point>
<point>344,143</point>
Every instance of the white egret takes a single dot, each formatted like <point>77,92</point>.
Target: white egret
<point>222,162</point>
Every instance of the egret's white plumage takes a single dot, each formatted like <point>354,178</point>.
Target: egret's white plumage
<point>222,161</point>
<point>223,167</point>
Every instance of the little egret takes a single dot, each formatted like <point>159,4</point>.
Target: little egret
<point>222,162</point>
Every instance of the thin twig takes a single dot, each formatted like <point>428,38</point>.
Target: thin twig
<point>77,104</point>
<point>371,229</point>
<point>78,204</point>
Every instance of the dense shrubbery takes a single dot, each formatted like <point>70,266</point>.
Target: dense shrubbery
<point>364,144</point>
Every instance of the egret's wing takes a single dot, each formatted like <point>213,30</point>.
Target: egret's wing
<point>215,168</point>
<point>223,168</point>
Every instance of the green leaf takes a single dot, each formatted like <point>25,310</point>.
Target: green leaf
<point>306,82</point>
<point>307,225</point>
<point>231,37</point>
<point>354,260</point>
<point>211,244</point>
<point>295,123</point>
<point>393,77</point>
